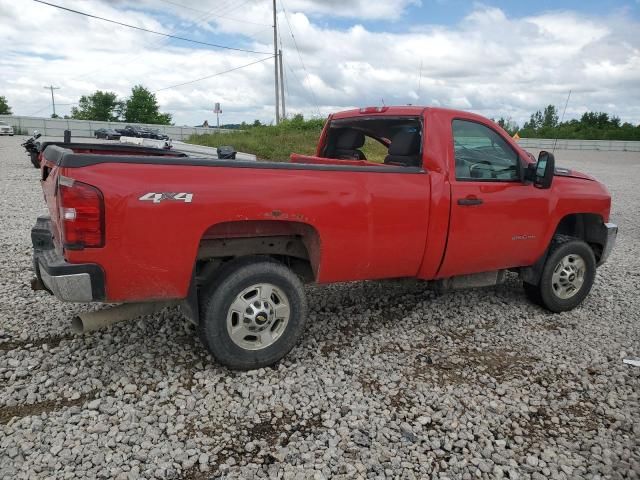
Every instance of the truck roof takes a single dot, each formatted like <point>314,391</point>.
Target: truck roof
<point>400,110</point>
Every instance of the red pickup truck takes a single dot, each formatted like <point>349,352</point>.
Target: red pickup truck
<point>455,201</point>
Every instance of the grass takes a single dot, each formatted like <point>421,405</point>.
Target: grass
<point>276,143</point>
<point>267,143</point>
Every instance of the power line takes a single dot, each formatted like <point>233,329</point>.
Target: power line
<point>295,43</point>
<point>295,75</point>
<point>219,16</point>
<point>38,111</point>
<point>149,31</point>
<point>214,75</point>
<point>133,57</point>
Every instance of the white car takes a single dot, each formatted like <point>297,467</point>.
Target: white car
<point>6,129</point>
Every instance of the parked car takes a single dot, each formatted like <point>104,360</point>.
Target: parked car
<point>134,131</point>
<point>107,133</point>
<point>6,129</point>
<point>157,134</point>
<point>456,202</point>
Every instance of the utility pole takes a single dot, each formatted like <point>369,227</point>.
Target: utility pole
<point>275,60</point>
<point>284,112</point>
<point>53,101</point>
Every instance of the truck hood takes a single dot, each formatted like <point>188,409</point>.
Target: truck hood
<point>567,172</point>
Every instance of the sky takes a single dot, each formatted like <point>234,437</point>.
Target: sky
<point>496,58</point>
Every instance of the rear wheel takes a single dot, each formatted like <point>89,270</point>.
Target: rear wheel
<point>253,314</point>
<point>567,276</point>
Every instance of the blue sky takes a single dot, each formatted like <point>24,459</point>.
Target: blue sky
<point>450,12</point>
<point>497,58</point>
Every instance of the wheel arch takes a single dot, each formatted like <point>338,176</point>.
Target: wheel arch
<point>293,243</point>
<point>589,227</point>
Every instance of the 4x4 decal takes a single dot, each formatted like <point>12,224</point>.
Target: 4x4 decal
<point>159,197</point>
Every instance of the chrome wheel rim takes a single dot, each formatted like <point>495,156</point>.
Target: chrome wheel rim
<point>568,276</point>
<point>258,316</point>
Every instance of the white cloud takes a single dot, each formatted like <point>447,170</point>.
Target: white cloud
<point>489,62</point>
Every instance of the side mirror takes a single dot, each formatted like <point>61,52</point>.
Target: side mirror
<point>542,171</point>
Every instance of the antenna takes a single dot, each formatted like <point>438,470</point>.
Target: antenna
<point>561,120</point>
<point>420,81</point>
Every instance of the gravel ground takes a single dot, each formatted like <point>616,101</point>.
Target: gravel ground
<point>390,379</point>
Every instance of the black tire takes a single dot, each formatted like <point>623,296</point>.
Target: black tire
<point>533,293</point>
<point>232,279</point>
<point>561,247</point>
<point>34,159</point>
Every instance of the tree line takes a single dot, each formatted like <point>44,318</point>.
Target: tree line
<point>140,107</point>
<point>590,126</point>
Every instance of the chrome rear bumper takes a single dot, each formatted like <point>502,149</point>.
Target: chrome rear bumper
<point>70,282</point>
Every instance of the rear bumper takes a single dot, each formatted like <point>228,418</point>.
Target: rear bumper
<point>69,282</point>
<point>610,241</point>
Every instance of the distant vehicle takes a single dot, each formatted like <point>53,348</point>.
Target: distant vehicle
<point>6,129</point>
<point>132,131</point>
<point>157,134</point>
<point>107,133</point>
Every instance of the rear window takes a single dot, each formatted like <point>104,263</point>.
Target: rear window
<point>389,140</point>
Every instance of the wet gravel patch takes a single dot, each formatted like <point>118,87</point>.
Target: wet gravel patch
<point>389,381</point>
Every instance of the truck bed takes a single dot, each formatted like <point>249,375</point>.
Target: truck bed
<point>107,149</point>
<point>77,155</point>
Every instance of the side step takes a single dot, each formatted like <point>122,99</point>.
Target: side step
<point>475,280</point>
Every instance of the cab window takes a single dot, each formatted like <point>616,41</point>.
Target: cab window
<point>392,141</point>
<point>482,154</point>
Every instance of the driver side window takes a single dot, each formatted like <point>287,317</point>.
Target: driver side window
<point>482,154</point>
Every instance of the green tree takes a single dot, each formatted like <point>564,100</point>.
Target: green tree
<point>5,109</point>
<point>101,106</point>
<point>508,125</point>
<point>591,126</point>
<point>550,117</point>
<point>535,122</point>
<point>142,107</point>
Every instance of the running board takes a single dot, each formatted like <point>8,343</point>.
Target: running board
<point>475,280</point>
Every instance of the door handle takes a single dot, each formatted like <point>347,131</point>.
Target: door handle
<point>469,201</point>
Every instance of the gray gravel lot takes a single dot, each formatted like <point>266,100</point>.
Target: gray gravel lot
<point>390,380</point>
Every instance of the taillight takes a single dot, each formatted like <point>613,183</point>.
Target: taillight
<point>81,214</point>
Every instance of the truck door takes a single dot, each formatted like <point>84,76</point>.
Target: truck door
<point>496,220</point>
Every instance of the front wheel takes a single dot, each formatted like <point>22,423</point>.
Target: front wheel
<point>253,314</point>
<point>34,159</point>
<point>567,276</point>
